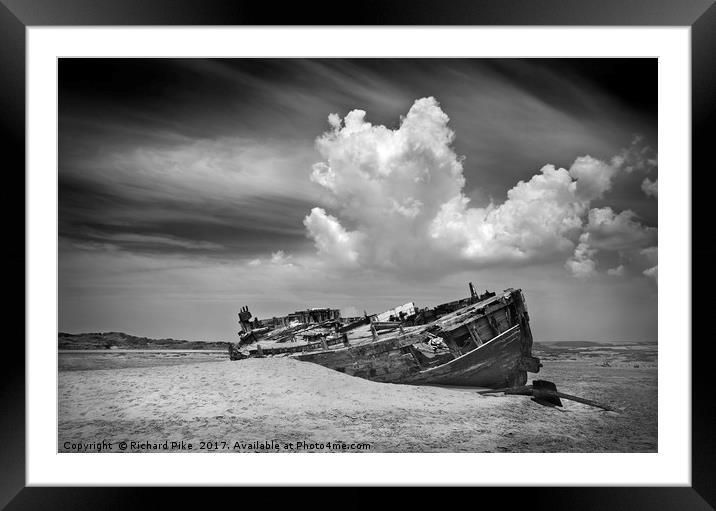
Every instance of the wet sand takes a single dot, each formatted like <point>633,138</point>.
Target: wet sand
<point>258,404</point>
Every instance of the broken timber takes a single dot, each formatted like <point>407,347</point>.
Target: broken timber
<point>544,393</point>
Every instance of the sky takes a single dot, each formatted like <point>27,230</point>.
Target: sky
<point>189,188</point>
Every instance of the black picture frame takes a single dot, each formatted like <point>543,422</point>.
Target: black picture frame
<point>700,15</point>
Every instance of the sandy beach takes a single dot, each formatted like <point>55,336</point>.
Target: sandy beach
<point>258,403</point>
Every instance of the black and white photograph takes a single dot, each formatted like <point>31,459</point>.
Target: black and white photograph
<point>364,255</point>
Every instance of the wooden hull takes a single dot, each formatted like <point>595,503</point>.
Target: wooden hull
<point>497,363</point>
<point>493,364</point>
<point>484,344</point>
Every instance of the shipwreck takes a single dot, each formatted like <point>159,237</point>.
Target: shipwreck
<point>481,341</point>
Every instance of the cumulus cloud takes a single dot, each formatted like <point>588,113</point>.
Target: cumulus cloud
<point>611,231</point>
<point>649,257</point>
<point>636,157</point>
<point>652,273</point>
<point>594,177</point>
<point>606,230</point>
<point>582,264</point>
<point>331,238</point>
<point>616,272</point>
<point>400,202</point>
<point>280,257</point>
<point>650,187</point>
<point>277,259</point>
<point>537,218</point>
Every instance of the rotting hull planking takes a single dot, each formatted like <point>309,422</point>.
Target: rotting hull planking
<point>487,343</point>
<point>496,363</point>
<point>493,364</point>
